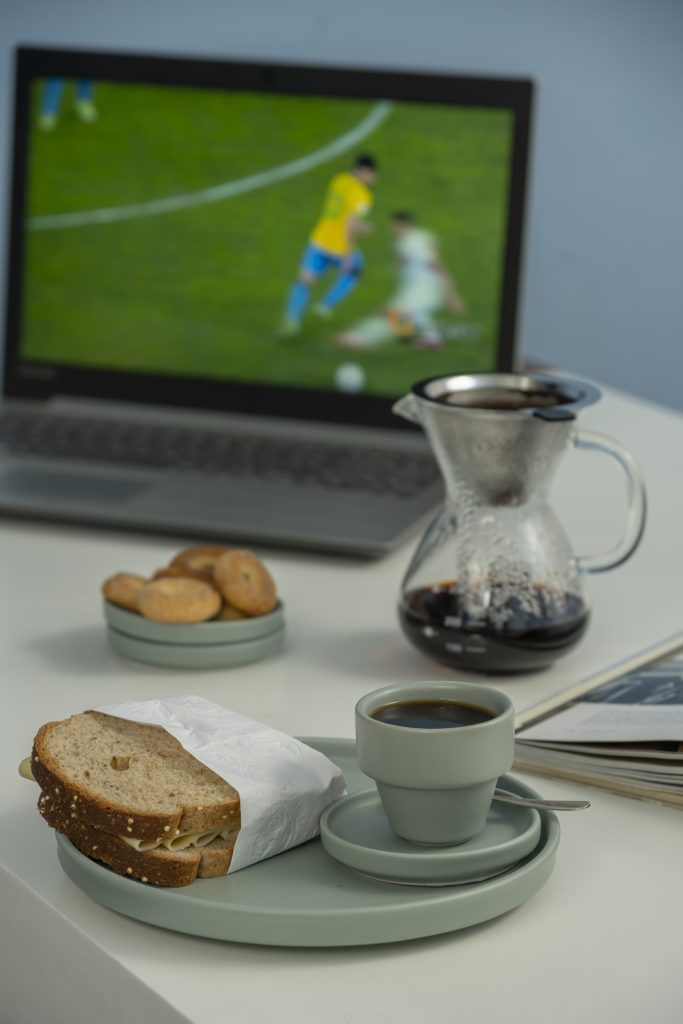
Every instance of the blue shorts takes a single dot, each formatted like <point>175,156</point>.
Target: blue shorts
<point>316,261</point>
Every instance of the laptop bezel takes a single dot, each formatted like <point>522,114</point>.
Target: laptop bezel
<point>37,380</point>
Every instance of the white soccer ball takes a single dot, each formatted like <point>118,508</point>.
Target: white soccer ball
<point>349,377</point>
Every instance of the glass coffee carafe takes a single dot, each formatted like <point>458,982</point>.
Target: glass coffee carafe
<point>494,585</point>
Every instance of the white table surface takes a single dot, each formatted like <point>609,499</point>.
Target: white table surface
<point>600,942</point>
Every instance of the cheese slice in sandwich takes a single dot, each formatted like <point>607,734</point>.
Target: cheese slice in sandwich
<point>132,796</point>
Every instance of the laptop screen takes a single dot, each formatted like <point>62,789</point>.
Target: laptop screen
<point>295,240</point>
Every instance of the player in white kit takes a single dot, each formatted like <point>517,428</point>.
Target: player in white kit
<point>425,287</point>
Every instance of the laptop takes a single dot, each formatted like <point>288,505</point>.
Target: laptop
<point>221,275</point>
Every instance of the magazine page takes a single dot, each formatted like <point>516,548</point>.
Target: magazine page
<point>657,752</point>
<point>607,768</point>
<point>644,705</point>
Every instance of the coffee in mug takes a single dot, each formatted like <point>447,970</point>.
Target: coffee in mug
<point>436,751</point>
<point>431,714</point>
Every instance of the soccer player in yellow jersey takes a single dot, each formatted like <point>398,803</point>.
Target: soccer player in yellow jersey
<point>332,243</point>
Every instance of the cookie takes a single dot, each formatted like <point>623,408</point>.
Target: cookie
<point>245,583</point>
<point>230,614</point>
<point>178,572</point>
<point>178,599</point>
<point>163,573</point>
<point>197,562</point>
<point>123,588</point>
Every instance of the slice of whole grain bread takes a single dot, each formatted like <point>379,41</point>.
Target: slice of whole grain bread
<point>173,868</point>
<point>158,867</point>
<point>129,779</point>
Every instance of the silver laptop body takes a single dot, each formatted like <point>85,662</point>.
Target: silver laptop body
<point>258,456</point>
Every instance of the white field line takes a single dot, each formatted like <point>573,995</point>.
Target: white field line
<point>215,194</point>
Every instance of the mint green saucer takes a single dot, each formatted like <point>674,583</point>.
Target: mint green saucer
<point>168,655</point>
<point>355,831</point>
<point>306,898</point>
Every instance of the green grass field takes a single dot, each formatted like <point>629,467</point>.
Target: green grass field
<point>201,291</point>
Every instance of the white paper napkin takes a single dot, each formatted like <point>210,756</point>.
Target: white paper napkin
<point>284,786</point>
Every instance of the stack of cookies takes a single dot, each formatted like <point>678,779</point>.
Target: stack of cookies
<point>210,607</point>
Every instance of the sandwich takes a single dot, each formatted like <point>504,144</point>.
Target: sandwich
<point>130,796</point>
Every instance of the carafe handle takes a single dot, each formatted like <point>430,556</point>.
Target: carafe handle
<point>636,499</point>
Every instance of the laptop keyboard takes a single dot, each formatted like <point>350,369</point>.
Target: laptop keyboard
<point>376,470</point>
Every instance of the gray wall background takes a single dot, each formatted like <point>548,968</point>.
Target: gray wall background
<point>604,257</point>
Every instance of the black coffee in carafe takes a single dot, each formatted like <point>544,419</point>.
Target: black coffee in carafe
<point>519,635</point>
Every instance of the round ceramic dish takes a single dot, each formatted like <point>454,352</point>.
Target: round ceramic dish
<point>355,831</point>
<point>305,898</point>
<point>199,633</point>
<point>196,656</point>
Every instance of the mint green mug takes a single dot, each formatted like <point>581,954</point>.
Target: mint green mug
<point>437,770</point>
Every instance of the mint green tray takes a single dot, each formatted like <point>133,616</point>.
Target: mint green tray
<point>305,898</point>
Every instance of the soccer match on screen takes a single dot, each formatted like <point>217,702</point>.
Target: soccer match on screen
<point>337,244</point>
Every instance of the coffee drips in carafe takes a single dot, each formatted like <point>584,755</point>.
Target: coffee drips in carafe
<point>494,585</point>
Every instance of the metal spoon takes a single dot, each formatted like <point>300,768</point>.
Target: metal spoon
<point>541,805</point>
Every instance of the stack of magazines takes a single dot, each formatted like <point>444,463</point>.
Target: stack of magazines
<point>621,730</point>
